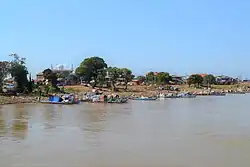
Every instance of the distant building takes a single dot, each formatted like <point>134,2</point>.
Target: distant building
<point>177,79</point>
<point>59,70</point>
<point>225,80</point>
<point>39,77</point>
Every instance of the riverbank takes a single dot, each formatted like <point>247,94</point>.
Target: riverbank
<point>153,90</point>
<point>17,99</point>
<point>131,91</point>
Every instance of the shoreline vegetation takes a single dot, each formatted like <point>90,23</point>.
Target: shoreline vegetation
<point>94,73</point>
<point>131,91</point>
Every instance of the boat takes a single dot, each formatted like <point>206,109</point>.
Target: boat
<point>103,99</point>
<point>237,92</point>
<point>69,100</point>
<point>217,94</point>
<point>186,95</point>
<point>172,95</point>
<point>145,98</point>
<point>118,100</point>
<point>54,102</point>
<point>168,95</point>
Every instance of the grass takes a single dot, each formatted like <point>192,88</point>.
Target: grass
<point>145,90</point>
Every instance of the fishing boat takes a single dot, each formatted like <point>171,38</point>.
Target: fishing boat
<point>186,95</point>
<point>236,92</point>
<point>67,100</point>
<point>172,95</point>
<point>104,99</point>
<point>145,98</point>
<point>119,100</point>
<point>217,94</point>
<point>168,95</point>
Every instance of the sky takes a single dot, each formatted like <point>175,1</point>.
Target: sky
<point>177,36</point>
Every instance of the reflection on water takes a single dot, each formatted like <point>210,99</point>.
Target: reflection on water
<point>14,124</point>
<point>201,132</point>
<point>51,113</point>
<point>20,122</point>
<point>2,122</point>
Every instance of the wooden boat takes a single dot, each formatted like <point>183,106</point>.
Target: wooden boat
<point>236,92</point>
<point>186,95</point>
<point>54,102</point>
<point>217,94</point>
<point>145,98</point>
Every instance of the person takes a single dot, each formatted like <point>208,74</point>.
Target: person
<point>61,99</point>
<point>40,94</point>
<point>105,98</point>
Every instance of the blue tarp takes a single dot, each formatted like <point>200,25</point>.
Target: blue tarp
<point>54,98</point>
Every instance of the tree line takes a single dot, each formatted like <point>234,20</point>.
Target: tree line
<point>17,69</point>
<point>95,70</point>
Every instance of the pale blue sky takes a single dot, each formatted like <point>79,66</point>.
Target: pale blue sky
<point>179,36</point>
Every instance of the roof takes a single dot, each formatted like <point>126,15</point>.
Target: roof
<point>64,70</point>
<point>202,75</point>
<point>40,73</point>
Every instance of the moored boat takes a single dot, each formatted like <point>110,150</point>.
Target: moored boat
<point>145,98</point>
<point>217,94</point>
<point>104,99</point>
<point>236,92</point>
<point>65,100</point>
<point>186,95</point>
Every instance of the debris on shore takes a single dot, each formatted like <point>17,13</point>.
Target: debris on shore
<point>17,99</point>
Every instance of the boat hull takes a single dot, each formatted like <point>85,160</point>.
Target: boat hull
<point>63,103</point>
<point>145,99</point>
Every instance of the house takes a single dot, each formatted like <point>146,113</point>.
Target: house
<point>9,84</point>
<point>177,79</point>
<point>225,80</point>
<point>135,82</point>
<point>64,72</point>
<point>39,77</point>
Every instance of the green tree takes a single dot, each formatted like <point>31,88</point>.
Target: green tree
<point>90,68</point>
<point>195,79</point>
<point>61,75</point>
<point>101,77</point>
<point>4,70</point>
<point>114,73</point>
<point>50,76</point>
<point>141,79</point>
<point>19,71</point>
<point>150,77</point>
<point>127,75</point>
<point>163,77</point>
<point>72,79</point>
<point>209,80</point>
<point>30,84</point>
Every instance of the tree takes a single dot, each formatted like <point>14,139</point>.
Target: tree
<point>72,79</point>
<point>19,71</point>
<point>47,72</point>
<point>30,84</point>
<point>163,77</point>
<point>90,68</point>
<point>127,75</point>
<point>50,76</point>
<point>101,77</point>
<point>4,70</point>
<point>195,79</point>
<point>141,79</point>
<point>150,77</point>
<point>114,73</point>
<point>209,80</point>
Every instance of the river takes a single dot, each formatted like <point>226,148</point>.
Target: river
<point>199,132</point>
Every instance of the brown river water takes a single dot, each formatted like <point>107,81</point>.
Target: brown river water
<point>199,132</point>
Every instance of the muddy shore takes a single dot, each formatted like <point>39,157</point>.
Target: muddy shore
<point>17,99</point>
